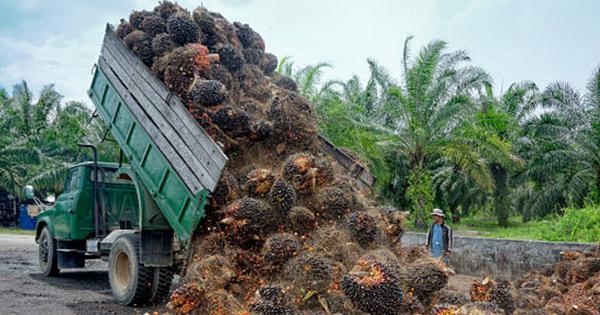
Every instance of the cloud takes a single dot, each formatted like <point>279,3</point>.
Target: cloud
<point>58,59</point>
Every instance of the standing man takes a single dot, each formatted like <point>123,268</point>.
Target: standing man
<point>439,236</point>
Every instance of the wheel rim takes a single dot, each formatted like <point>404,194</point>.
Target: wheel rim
<point>43,252</point>
<point>122,271</point>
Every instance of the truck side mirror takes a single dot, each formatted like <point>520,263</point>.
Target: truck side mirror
<point>29,192</point>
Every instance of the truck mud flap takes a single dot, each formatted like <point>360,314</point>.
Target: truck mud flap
<point>157,248</point>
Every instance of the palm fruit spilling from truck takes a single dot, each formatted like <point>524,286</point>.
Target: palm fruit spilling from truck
<point>287,230</point>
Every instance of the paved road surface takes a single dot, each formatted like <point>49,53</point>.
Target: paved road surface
<point>24,291</point>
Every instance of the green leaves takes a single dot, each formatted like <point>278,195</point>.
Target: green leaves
<point>440,136</point>
<point>38,139</point>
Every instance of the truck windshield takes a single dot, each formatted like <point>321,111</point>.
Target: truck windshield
<point>107,175</point>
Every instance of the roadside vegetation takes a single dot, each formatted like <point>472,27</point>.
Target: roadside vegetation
<point>5,230</point>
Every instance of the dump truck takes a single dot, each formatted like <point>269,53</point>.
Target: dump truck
<point>133,215</point>
<point>138,215</point>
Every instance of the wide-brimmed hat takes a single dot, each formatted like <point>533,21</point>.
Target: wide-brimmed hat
<point>437,212</point>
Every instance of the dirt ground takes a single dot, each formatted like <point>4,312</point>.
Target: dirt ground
<point>24,291</point>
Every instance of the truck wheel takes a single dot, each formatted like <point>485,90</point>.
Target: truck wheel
<point>130,281</point>
<point>47,253</point>
<point>163,277</point>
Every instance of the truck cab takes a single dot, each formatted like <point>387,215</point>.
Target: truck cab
<point>103,212</point>
<point>72,217</point>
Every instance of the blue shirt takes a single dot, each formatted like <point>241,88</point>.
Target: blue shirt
<point>437,241</point>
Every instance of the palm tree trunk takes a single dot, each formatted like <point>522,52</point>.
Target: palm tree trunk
<point>455,214</point>
<point>420,194</point>
<point>500,194</point>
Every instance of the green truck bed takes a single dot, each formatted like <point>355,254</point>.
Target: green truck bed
<point>173,156</point>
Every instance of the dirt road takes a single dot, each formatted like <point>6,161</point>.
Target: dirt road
<point>23,290</point>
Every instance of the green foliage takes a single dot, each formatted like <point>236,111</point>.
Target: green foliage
<point>573,225</point>
<point>420,195</point>
<point>39,137</point>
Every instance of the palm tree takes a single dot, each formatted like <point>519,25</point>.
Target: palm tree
<point>38,139</point>
<point>562,150</point>
<point>431,115</point>
<point>503,117</point>
<point>308,78</point>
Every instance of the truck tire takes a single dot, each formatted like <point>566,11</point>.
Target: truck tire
<point>47,256</point>
<point>131,282</point>
<point>163,278</point>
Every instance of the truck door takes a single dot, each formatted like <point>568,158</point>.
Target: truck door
<point>64,205</point>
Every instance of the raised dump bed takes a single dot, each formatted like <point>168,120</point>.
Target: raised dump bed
<point>174,157</point>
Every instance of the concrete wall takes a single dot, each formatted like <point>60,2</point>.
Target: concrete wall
<point>508,259</point>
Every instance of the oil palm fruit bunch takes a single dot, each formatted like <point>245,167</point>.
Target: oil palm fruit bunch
<point>373,288</point>
<point>497,292</point>
<point>333,203</point>
<point>271,300</point>
<point>231,58</point>
<point>124,29</point>
<point>502,297</point>
<point>306,172</point>
<point>246,219</point>
<point>248,37</point>
<point>233,121</point>
<point>310,272</point>
<point>136,18</point>
<point>162,44</point>
<point>180,66</point>
<point>153,25</point>
<point>140,44</point>
<point>268,63</point>
<point>183,29</point>
<point>298,169</point>
<point>258,182</point>
<point>282,196</point>
<point>260,130</point>
<point>285,82</point>
<point>481,291</point>
<point>208,93</point>
<point>227,190</point>
<point>302,220</point>
<point>363,228</point>
<point>293,120</point>
<point>426,278</point>
<point>279,248</point>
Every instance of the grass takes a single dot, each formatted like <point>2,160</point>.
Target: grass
<point>5,230</point>
<point>575,225</point>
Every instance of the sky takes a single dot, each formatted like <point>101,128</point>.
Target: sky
<point>58,41</point>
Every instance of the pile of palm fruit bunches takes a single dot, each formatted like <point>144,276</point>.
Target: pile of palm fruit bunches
<point>285,232</point>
